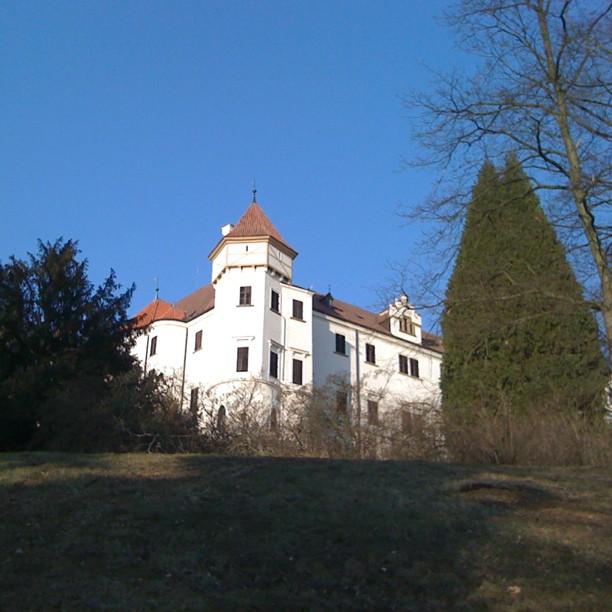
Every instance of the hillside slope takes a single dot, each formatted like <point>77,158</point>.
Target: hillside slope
<point>215,533</point>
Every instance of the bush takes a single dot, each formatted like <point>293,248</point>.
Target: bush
<point>546,437</point>
<point>146,416</point>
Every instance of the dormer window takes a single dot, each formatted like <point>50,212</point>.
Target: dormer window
<point>406,326</point>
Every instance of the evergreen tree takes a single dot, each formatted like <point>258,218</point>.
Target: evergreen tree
<point>60,337</point>
<point>517,333</point>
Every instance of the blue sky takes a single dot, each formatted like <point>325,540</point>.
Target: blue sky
<point>137,128</point>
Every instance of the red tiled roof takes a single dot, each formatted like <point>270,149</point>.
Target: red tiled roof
<point>255,223</point>
<point>198,302</point>
<point>365,318</point>
<point>202,300</point>
<point>158,310</point>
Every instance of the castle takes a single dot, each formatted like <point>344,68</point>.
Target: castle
<point>251,323</point>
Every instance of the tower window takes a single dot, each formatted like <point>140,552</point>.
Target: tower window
<point>242,359</point>
<point>297,371</point>
<point>370,353</point>
<point>340,344</point>
<point>273,364</point>
<point>298,310</point>
<point>153,347</point>
<point>245,296</point>
<point>275,301</point>
<point>198,341</point>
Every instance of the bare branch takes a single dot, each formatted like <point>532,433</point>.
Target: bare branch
<point>542,91</point>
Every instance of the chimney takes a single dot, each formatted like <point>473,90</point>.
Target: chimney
<point>226,229</point>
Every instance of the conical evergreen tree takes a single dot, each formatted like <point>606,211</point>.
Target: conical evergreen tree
<point>517,333</point>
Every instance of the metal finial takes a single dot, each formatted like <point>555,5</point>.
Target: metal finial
<point>157,288</point>
<point>254,192</point>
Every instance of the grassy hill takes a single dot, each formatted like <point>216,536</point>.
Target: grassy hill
<point>131,532</point>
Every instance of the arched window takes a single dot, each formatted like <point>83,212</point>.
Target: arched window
<point>221,417</point>
<point>274,418</point>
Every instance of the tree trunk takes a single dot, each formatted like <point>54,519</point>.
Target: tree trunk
<point>576,178</point>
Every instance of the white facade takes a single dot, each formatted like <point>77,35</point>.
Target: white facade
<point>252,324</point>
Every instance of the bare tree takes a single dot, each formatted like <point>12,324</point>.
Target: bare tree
<point>544,91</point>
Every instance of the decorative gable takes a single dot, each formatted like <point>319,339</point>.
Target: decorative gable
<point>404,321</point>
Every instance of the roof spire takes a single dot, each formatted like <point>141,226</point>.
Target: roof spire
<point>254,192</point>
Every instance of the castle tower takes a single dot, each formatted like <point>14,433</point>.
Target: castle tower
<point>252,269</point>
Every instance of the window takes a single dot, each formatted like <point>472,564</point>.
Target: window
<point>372,412</point>
<point>274,418</point>
<point>153,348</point>
<point>403,364</point>
<point>340,344</point>
<point>298,310</point>
<point>406,420</point>
<point>273,364</point>
<point>275,301</point>
<point>221,417</point>
<point>242,360</point>
<point>414,368</point>
<point>198,341</point>
<point>193,400</point>
<point>407,326</point>
<point>245,296</point>
<point>370,353</point>
<point>341,403</point>
<point>297,371</point>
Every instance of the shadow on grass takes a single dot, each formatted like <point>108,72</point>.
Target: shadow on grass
<point>192,532</point>
<point>12,461</point>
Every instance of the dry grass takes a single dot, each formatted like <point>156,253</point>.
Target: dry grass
<point>213,533</point>
<point>546,437</point>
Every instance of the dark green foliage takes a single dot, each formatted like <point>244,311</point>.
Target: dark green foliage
<point>146,416</point>
<point>61,341</point>
<point>518,335</point>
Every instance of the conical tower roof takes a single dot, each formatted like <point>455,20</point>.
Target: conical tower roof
<point>157,310</point>
<point>254,223</point>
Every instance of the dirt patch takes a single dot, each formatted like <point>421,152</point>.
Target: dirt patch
<point>508,493</point>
